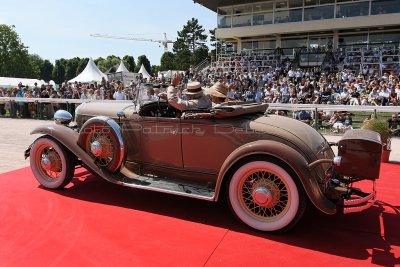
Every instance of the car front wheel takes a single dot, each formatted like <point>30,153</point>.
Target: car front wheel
<point>51,163</point>
<point>264,196</point>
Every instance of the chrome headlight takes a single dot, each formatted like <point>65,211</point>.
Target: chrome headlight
<point>62,117</point>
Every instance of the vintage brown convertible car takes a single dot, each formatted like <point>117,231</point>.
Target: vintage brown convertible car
<point>269,167</point>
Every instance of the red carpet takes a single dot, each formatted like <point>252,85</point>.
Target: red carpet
<point>95,223</point>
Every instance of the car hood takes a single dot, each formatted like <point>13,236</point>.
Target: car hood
<point>110,109</point>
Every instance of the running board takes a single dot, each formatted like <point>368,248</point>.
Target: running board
<point>164,185</point>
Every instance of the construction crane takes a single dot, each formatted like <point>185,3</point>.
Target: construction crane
<point>163,42</point>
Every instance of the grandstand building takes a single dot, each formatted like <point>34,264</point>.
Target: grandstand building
<point>354,27</point>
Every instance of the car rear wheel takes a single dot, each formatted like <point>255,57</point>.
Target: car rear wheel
<point>264,196</point>
<point>51,163</point>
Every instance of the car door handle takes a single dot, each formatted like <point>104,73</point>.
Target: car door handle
<point>174,132</point>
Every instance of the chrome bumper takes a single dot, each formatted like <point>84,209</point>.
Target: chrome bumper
<point>360,203</point>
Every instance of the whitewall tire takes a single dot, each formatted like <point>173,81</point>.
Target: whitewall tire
<point>264,196</point>
<point>51,163</point>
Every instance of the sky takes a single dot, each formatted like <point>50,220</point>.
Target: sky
<point>56,29</point>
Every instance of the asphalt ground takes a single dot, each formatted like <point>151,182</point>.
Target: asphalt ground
<point>15,139</point>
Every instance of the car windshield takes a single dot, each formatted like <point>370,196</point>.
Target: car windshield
<point>141,97</point>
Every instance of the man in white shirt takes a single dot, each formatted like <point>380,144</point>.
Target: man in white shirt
<point>291,74</point>
<point>299,75</point>
<point>397,90</point>
<point>84,94</point>
<point>119,95</point>
<point>344,76</point>
<point>344,96</point>
<point>194,93</point>
<point>384,94</point>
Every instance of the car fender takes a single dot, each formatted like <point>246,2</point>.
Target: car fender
<point>69,138</point>
<point>291,157</point>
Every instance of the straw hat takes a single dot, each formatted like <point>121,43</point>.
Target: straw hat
<point>193,88</point>
<point>218,90</point>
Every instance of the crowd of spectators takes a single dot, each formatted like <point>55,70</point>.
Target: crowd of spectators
<point>282,84</point>
<point>104,90</point>
<point>369,60</point>
<point>309,86</point>
<point>285,84</point>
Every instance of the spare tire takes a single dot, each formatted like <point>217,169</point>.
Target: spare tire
<point>101,138</point>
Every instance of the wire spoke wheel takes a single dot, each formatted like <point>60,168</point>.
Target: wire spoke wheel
<point>264,196</point>
<point>275,206</point>
<point>104,152</point>
<point>102,140</point>
<point>52,164</point>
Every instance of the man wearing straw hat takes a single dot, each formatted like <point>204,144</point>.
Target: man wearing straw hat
<point>218,93</point>
<point>195,96</point>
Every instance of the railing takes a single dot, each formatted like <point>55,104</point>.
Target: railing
<point>69,105</point>
<point>44,106</point>
<point>57,100</point>
<point>202,65</point>
<point>322,107</point>
<point>312,107</point>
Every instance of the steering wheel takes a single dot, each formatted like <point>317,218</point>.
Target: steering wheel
<point>161,111</point>
<point>168,111</point>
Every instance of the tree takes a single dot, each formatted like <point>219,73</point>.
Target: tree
<point>41,69</point>
<point>155,69</point>
<point>97,60</point>
<point>190,39</point>
<point>183,59</point>
<point>199,55</point>
<point>46,70</point>
<point>36,63</point>
<point>71,68</point>
<point>82,65</point>
<point>14,57</point>
<point>146,63</point>
<point>167,61</point>
<point>214,43</point>
<point>129,62</point>
<point>105,64</point>
<point>59,71</point>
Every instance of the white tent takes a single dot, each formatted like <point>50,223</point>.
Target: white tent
<point>13,82</point>
<point>122,68</point>
<point>90,74</point>
<point>52,83</point>
<point>144,72</point>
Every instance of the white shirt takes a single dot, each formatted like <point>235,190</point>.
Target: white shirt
<point>98,97</point>
<point>398,93</point>
<point>344,95</point>
<point>119,95</point>
<point>385,93</point>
